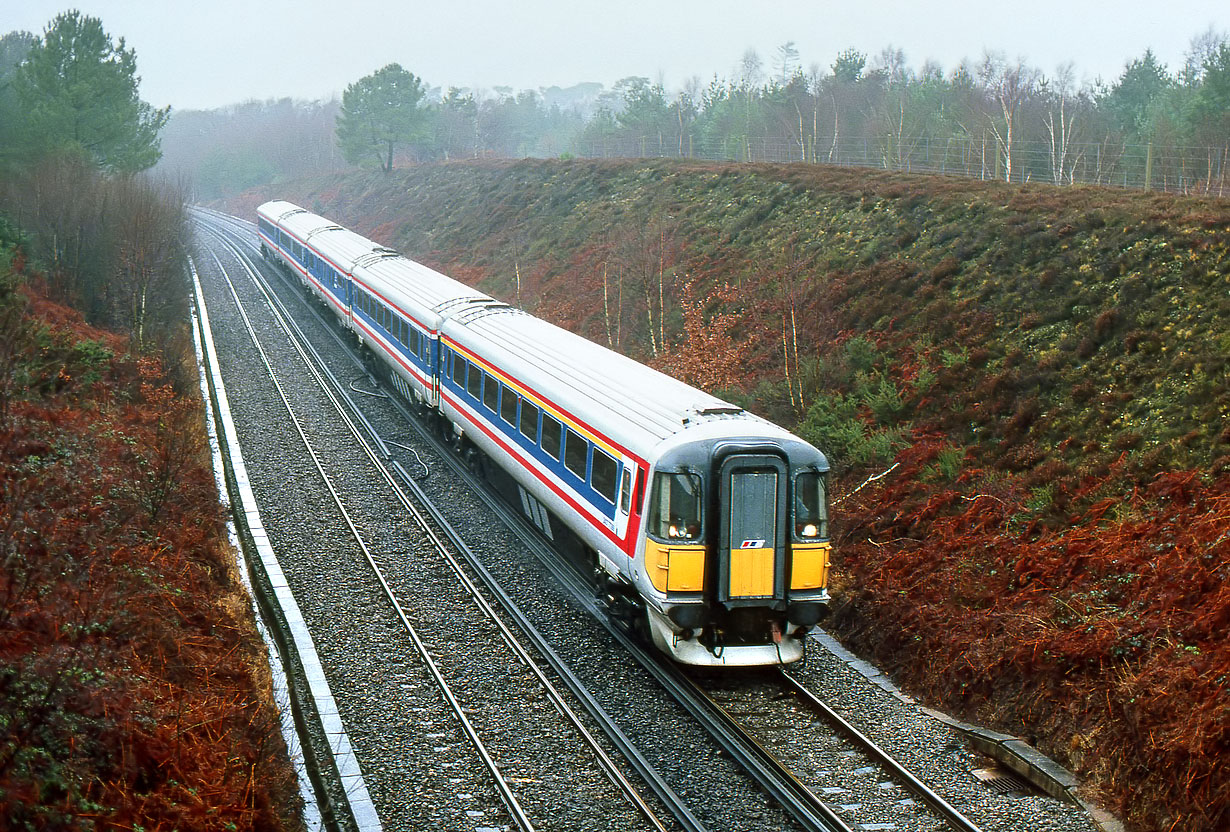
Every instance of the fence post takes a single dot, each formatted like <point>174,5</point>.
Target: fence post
<point>1149,166</point>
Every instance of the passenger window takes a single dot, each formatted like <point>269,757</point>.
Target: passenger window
<point>491,393</point>
<point>529,420</point>
<point>552,431</point>
<point>576,451</point>
<point>474,387</point>
<point>508,406</point>
<point>602,475</point>
<point>459,370</point>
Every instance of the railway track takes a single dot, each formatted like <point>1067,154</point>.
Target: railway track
<point>507,780</point>
<point>799,794</point>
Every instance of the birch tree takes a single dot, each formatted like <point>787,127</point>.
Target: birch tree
<point>1009,86</point>
<point>1060,123</point>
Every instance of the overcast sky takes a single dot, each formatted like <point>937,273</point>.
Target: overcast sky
<point>210,53</point>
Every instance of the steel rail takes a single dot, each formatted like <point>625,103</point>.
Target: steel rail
<point>679,809</point>
<point>922,790</point>
<point>502,786</point>
<point>781,785</point>
<point>758,759</point>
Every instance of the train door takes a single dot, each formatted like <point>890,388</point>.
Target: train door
<point>623,500</point>
<point>431,348</point>
<point>752,535</point>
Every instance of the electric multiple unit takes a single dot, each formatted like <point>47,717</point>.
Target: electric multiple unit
<point>709,525</point>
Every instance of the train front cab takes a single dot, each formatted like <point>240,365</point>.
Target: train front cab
<point>737,548</point>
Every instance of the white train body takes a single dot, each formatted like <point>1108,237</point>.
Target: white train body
<point>705,519</point>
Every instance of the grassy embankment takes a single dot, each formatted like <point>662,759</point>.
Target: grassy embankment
<point>134,689</point>
<point>1047,368</point>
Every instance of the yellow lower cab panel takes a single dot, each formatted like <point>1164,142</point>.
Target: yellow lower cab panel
<point>675,568</point>
<point>687,569</point>
<point>809,567</point>
<point>751,573</point>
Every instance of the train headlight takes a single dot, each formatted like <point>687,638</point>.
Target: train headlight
<point>810,530</point>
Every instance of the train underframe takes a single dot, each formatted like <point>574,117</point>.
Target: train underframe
<point>710,634</point>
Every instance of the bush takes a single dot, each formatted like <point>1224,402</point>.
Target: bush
<point>883,400</point>
<point>833,425</point>
<point>862,354</point>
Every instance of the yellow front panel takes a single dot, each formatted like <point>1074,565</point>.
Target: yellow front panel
<point>687,569</point>
<point>810,566</point>
<point>751,573</point>
<point>657,560</point>
<point>675,569</point>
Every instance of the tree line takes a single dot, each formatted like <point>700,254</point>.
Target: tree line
<point>993,118</point>
<point>75,142</point>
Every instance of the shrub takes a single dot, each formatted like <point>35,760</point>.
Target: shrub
<point>862,353</point>
<point>883,400</point>
<point>832,424</point>
<point>949,462</point>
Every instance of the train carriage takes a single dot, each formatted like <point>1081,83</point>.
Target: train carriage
<point>398,309</point>
<point>707,523</point>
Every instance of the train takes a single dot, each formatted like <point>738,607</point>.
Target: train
<point>707,526</point>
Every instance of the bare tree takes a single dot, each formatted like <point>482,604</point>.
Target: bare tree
<point>150,223</point>
<point>1060,121</point>
<point>648,256</point>
<point>787,62</point>
<point>1009,86</point>
<point>815,80</point>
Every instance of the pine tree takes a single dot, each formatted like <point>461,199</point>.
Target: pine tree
<point>381,113</point>
<point>78,90</point>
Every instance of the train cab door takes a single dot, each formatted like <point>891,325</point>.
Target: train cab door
<point>752,549</point>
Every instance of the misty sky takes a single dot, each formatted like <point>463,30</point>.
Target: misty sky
<point>210,53</point>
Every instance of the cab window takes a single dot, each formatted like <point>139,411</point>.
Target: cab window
<point>675,507</point>
<point>811,521</point>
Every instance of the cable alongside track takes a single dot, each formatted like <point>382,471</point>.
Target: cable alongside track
<point>426,453</point>
<point>445,543</point>
<point>800,803</point>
